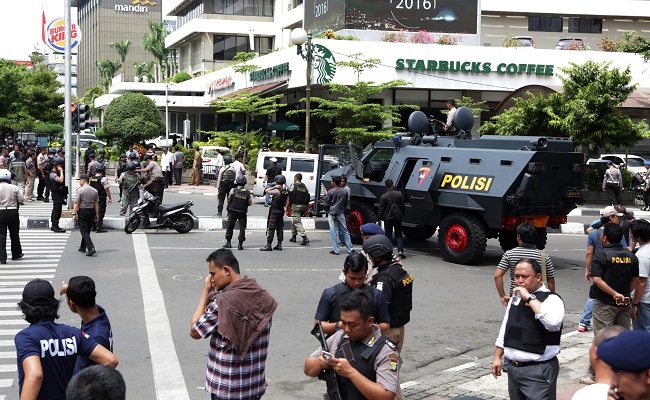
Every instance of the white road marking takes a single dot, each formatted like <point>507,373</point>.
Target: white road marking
<point>167,373</point>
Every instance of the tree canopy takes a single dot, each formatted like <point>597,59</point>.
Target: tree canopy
<point>249,104</point>
<point>28,97</point>
<point>587,110</point>
<point>130,118</point>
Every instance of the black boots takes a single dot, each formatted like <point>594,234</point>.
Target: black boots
<point>100,229</point>
<point>240,246</point>
<point>293,239</point>
<point>305,241</point>
<point>57,229</point>
<point>278,247</point>
<point>91,251</point>
<point>227,245</point>
<point>267,247</point>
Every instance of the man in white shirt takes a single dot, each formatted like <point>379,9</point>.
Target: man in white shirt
<point>219,162</point>
<point>604,373</point>
<point>166,165</point>
<point>238,166</point>
<point>533,323</point>
<point>640,230</point>
<point>449,127</point>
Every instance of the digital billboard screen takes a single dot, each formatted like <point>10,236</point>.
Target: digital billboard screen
<point>448,16</point>
<point>321,15</point>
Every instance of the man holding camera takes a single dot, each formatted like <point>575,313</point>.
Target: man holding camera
<point>615,273</point>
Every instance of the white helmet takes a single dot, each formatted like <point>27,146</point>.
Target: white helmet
<point>5,175</point>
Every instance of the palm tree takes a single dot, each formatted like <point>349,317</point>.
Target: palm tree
<point>143,70</point>
<point>122,49</point>
<point>154,43</point>
<point>90,96</point>
<point>107,70</point>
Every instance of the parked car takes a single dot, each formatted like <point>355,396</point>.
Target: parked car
<point>570,44</point>
<point>632,163</point>
<point>161,141</point>
<point>526,42</point>
<point>209,158</point>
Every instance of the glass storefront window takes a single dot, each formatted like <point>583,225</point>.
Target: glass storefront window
<point>243,7</point>
<point>225,47</point>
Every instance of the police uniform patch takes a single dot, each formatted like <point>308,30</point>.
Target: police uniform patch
<point>380,286</point>
<point>393,366</point>
<point>391,345</point>
<point>371,341</point>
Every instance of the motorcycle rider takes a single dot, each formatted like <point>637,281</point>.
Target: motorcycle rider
<point>129,183</point>
<point>225,182</point>
<point>275,222</point>
<point>238,202</point>
<point>100,183</point>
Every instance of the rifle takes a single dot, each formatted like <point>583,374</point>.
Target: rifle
<point>328,375</point>
<point>133,186</point>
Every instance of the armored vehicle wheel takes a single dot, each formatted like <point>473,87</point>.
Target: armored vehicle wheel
<point>419,234</point>
<point>541,238</point>
<point>184,223</point>
<point>360,213</point>
<point>508,239</point>
<point>462,238</point>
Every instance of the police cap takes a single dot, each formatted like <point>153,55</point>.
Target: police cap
<point>629,351</point>
<point>371,229</point>
<point>280,179</point>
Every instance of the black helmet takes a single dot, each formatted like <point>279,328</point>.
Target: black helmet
<point>100,168</point>
<point>227,159</point>
<point>130,166</point>
<point>51,150</point>
<point>102,151</point>
<point>378,245</point>
<point>122,155</point>
<point>280,179</point>
<point>241,180</point>
<point>58,161</point>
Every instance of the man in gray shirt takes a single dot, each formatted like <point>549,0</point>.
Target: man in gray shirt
<point>337,199</point>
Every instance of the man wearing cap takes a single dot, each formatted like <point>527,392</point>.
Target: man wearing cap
<point>156,176</point>
<point>598,390</point>
<point>85,212</point>
<point>269,178</point>
<point>92,165</point>
<point>46,351</point>
<point>628,354</point>
<point>646,192</point>
<point>615,272</point>
<point>529,337</point>
<point>613,184</point>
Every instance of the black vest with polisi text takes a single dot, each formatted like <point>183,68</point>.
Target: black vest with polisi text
<point>299,194</point>
<point>365,363</point>
<point>280,200</point>
<point>525,332</point>
<point>342,289</point>
<point>96,182</point>
<point>400,306</point>
<point>239,201</point>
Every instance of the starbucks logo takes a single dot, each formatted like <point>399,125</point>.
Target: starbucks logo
<point>323,63</point>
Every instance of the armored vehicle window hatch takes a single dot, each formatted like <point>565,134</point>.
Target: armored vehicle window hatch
<point>506,163</point>
<point>474,160</point>
<point>445,159</point>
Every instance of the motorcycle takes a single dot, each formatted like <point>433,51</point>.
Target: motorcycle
<point>178,216</point>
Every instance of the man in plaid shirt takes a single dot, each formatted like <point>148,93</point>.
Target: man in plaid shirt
<point>239,335</point>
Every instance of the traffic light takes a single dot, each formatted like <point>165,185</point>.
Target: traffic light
<point>74,116</point>
<point>83,111</point>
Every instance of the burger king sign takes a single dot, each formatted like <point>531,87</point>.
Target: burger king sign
<point>54,35</point>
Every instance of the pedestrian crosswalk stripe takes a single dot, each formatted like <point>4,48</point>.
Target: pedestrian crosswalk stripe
<point>10,332</point>
<point>9,368</point>
<point>13,322</point>
<point>5,383</point>
<point>7,354</point>
<point>25,271</point>
<point>11,297</point>
<point>13,313</point>
<point>28,276</point>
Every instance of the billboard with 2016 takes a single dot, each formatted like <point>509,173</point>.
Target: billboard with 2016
<point>448,16</point>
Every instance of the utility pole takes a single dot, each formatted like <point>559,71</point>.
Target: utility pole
<point>67,119</point>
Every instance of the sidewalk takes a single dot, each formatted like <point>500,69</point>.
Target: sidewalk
<point>475,378</point>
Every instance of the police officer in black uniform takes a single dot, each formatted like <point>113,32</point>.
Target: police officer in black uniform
<point>238,202</point>
<point>119,168</point>
<point>58,189</point>
<point>275,222</point>
<point>225,182</point>
<point>100,183</point>
<point>298,202</point>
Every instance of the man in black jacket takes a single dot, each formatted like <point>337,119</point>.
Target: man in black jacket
<point>391,211</point>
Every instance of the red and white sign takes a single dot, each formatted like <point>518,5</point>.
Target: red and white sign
<point>54,35</point>
<point>219,84</point>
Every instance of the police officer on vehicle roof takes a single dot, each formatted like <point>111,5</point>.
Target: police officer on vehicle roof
<point>366,363</point>
<point>100,183</point>
<point>275,221</point>
<point>394,282</point>
<point>297,202</point>
<point>225,182</point>
<point>238,202</point>
<point>10,198</point>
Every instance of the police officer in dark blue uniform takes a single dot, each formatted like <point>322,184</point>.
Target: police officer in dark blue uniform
<point>275,221</point>
<point>238,202</point>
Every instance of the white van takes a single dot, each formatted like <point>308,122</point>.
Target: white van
<point>291,164</point>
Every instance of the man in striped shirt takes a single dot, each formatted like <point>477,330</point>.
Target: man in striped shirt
<point>527,239</point>
<point>239,334</point>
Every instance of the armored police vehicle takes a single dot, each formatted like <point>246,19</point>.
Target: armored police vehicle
<point>469,190</point>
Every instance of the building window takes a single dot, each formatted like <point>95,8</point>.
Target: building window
<point>193,10</point>
<point>545,24</point>
<point>586,25</point>
<point>225,47</point>
<point>261,8</point>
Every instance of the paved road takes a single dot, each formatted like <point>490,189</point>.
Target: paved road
<point>150,283</point>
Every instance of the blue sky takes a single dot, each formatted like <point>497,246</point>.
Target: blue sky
<point>20,25</point>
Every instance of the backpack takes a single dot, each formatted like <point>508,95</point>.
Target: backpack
<point>228,178</point>
<point>48,166</point>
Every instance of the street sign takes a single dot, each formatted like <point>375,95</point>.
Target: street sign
<point>54,35</point>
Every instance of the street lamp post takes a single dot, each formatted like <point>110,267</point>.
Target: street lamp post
<point>299,37</point>
<point>167,113</point>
